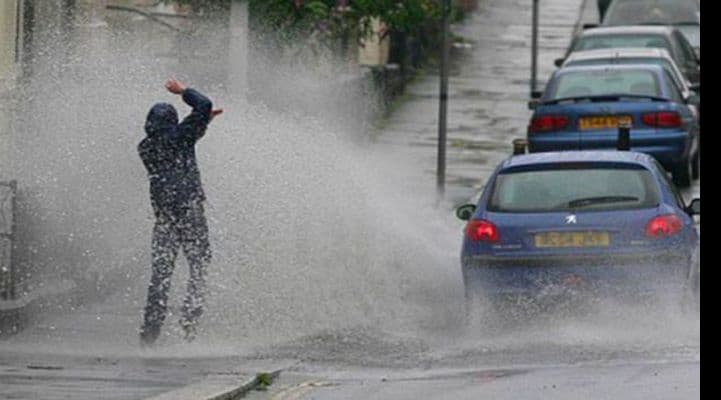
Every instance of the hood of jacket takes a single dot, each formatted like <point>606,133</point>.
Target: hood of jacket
<point>162,117</point>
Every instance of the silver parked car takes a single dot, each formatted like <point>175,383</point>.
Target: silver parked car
<point>683,14</point>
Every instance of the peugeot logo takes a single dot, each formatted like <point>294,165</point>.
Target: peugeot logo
<point>571,219</point>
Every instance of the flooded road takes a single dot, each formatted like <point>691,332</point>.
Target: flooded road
<point>331,259</point>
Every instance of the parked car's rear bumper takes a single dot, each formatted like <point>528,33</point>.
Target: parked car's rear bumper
<point>669,147</point>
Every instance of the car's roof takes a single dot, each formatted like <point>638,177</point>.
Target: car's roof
<point>558,157</point>
<point>629,29</point>
<point>619,52</point>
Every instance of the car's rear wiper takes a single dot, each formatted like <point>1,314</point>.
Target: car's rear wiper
<point>587,201</point>
<point>604,97</point>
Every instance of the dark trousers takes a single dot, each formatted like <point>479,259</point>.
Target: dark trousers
<point>184,227</point>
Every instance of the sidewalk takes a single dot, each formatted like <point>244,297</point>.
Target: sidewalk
<point>488,92</point>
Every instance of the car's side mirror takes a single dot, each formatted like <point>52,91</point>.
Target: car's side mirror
<point>694,208</point>
<point>465,212</point>
<point>558,62</point>
<point>693,100</point>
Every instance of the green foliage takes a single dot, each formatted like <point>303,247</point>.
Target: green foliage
<point>264,380</point>
<point>334,18</point>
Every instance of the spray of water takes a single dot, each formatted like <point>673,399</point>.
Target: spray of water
<point>312,229</point>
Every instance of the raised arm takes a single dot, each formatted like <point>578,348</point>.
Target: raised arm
<point>194,125</point>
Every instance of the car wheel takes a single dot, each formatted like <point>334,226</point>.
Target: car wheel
<point>696,166</point>
<point>682,174</point>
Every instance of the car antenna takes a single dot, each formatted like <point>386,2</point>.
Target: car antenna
<point>624,136</point>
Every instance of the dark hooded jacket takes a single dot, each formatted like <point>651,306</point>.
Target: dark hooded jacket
<point>168,152</point>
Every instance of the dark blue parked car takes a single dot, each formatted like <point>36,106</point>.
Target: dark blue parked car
<point>610,222</point>
<point>582,107</point>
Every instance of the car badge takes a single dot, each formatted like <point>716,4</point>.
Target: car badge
<point>571,219</point>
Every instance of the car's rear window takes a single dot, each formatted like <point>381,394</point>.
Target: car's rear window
<point>637,12</point>
<point>605,81</point>
<point>628,60</point>
<point>574,189</point>
<point>619,41</point>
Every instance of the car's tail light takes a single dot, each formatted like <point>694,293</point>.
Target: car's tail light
<point>547,123</point>
<point>662,119</point>
<point>664,226</point>
<point>482,230</point>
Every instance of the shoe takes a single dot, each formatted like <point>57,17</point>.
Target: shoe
<point>148,335</point>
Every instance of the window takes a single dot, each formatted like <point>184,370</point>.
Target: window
<point>667,180</point>
<point>570,188</point>
<point>689,54</point>
<point>674,91</point>
<point>637,12</point>
<point>605,82</point>
<point>618,41</point>
<point>632,60</point>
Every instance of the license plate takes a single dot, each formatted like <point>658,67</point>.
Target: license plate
<point>605,122</point>
<point>572,239</point>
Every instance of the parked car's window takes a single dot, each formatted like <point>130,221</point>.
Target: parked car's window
<point>574,189</point>
<point>665,63</point>
<point>688,52</point>
<point>692,33</point>
<point>600,82</point>
<point>665,176</point>
<point>674,92</point>
<point>591,42</point>
<point>638,12</point>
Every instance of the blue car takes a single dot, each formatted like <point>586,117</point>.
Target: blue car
<point>607,222</point>
<point>583,106</point>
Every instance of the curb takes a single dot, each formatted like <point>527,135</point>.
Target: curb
<point>216,388</point>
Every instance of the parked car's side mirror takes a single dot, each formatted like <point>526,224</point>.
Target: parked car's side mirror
<point>558,62</point>
<point>693,100</point>
<point>465,212</point>
<point>694,208</point>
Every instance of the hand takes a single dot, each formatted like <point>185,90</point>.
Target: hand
<point>215,112</point>
<point>174,86</point>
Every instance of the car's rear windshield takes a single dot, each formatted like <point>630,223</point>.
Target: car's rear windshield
<point>637,12</point>
<point>577,189</point>
<point>600,82</point>
<point>620,41</point>
<point>665,63</point>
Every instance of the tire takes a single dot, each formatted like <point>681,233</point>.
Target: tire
<point>696,166</point>
<point>682,174</point>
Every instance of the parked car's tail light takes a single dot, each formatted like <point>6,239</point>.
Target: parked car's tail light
<point>664,226</point>
<point>547,123</point>
<point>662,119</point>
<point>482,230</point>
